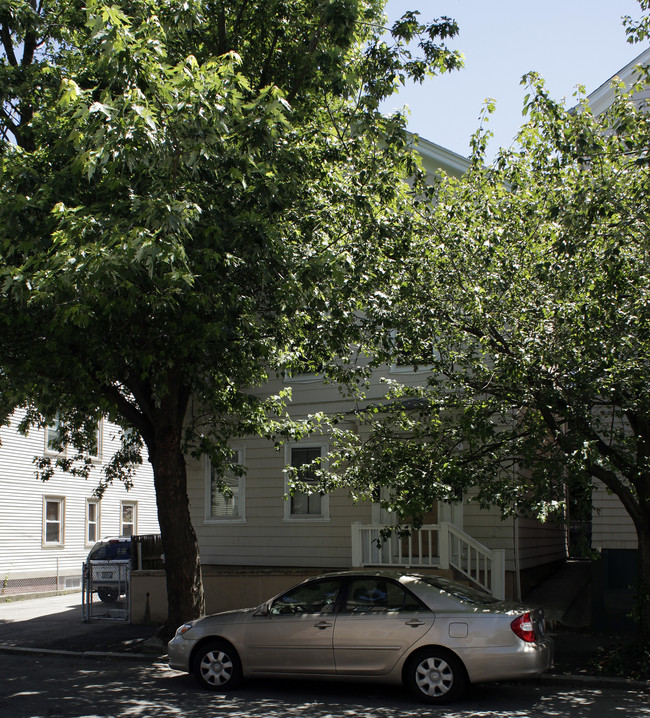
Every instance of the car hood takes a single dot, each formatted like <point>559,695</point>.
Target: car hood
<point>234,616</point>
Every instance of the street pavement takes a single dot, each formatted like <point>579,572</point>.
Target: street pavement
<point>39,685</point>
<point>53,664</point>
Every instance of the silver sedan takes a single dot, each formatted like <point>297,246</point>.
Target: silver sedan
<point>429,633</point>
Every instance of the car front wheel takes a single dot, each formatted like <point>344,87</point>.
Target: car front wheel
<point>217,666</point>
<point>435,676</point>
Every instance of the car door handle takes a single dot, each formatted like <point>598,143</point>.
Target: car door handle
<point>415,622</point>
<point>321,625</point>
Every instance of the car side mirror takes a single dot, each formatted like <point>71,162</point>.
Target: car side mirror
<point>264,609</point>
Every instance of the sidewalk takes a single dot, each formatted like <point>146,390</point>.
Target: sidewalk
<point>55,623</point>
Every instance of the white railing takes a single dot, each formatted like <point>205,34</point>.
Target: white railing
<point>441,546</point>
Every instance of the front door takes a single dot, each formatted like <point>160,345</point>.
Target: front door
<point>296,635</point>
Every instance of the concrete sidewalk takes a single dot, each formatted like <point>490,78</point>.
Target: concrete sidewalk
<point>56,623</point>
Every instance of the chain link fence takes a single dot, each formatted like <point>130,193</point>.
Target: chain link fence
<point>51,579</point>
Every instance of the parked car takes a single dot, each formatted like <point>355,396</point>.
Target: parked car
<point>105,560</point>
<point>429,633</point>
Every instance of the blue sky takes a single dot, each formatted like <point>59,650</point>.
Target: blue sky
<point>568,42</point>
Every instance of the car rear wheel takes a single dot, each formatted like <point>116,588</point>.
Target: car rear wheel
<point>107,595</point>
<point>435,676</point>
<point>217,666</point>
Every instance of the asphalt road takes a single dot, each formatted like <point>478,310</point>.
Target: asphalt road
<point>56,686</point>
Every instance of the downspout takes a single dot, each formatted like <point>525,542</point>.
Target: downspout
<point>515,540</point>
<point>515,529</point>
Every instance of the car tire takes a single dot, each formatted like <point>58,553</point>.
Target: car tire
<point>217,666</point>
<point>435,675</point>
<point>107,595</point>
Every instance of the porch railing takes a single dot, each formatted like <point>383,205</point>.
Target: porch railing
<point>441,546</point>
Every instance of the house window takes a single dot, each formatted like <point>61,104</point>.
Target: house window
<point>53,520</point>
<point>128,519</point>
<point>92,521</point>
<point>310,505</point>
<point>227,505</point>
<point>53,437</point>
<point>95,451</point>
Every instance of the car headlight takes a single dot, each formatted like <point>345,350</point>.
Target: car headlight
<point>184,628</point>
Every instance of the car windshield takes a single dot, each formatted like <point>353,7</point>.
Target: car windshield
<point>111,551</point>
<point>464,593</point>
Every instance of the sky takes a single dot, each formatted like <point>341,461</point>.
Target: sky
<point>568,42</point>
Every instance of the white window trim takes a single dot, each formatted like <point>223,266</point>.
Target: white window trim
<point>324,515</point>
<point>135,516</point>
<point>241,519</point>
<point>98,521</point>
<point>61,542</point>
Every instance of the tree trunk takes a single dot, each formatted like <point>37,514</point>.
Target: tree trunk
<point>182,564</point>
<point>642,594</point>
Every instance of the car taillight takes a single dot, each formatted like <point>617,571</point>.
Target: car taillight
<point>523,627</point>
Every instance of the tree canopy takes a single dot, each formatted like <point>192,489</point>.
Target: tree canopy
<point>527,299</point>
<point>195,194</point>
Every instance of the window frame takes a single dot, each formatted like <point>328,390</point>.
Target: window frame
<point>97,522</point>
<point>123,505</point>
<point>97,457</point>
<point>324,515</point>
<point>60,502</point>
<point>54,426</point>
<point>240,517</point>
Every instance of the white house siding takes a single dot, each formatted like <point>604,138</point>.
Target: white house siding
<point>24,559</point>
<point>612,527</point>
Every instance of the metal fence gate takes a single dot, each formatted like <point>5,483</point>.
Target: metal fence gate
<point>106,590</point>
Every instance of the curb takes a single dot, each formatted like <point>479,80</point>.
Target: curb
<point>6,648</point>
<point>571,679</point>
<point>16,597</point>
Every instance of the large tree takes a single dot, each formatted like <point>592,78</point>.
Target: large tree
<point>194,194</point>
<point>527,298</point>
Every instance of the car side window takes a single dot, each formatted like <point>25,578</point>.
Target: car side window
<point>312,597</point>
<point>378,595</point>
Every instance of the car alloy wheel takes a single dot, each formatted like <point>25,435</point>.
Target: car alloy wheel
<point>217,666</point>
<point>435,676</point>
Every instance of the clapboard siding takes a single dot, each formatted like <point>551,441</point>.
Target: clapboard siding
<point>22,553</point>
<point>265,537</point>
<point>612,527</point>
<point>539,543</point>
